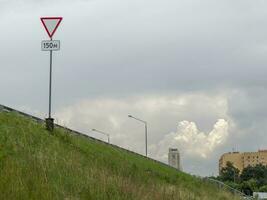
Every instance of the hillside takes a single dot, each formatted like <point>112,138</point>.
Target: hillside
<point>35,164</point>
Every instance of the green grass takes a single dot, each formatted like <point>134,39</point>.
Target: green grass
<point>35,164</point>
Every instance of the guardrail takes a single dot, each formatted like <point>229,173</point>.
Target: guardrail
<point>222,185</point>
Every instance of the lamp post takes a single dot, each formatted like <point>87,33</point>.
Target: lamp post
<point>145,123</point>
<point>106,134</point>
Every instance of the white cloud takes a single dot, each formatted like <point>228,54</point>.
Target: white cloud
<point>191,141</point>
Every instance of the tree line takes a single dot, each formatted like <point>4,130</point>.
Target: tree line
<point>251,179</point>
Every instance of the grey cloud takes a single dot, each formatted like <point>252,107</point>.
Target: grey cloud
<point>113,48</point>
<point>124,48</point>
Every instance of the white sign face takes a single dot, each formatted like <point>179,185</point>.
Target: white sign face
<point>50,45</point>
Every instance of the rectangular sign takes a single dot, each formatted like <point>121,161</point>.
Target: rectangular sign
<point>50,45</point>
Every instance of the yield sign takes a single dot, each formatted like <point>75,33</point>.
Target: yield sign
<point>51,24</point>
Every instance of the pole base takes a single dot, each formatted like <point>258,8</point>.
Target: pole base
<point>49,124</point>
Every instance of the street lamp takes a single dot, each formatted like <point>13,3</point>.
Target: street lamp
<point>140,120</point>
<point>106,134</point>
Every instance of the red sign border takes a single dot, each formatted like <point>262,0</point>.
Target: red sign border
<point>51,18</point>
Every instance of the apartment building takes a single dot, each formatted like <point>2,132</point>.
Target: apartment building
<point>243,160</point>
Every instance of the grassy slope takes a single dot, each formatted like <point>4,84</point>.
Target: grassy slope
<point>37,165</point>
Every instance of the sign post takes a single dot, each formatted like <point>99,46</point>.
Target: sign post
<point>50,24</point>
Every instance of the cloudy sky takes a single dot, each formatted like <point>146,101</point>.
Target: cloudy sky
<point>195,70</point>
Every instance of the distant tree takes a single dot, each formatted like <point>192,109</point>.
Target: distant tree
<point>252,179</point>
<point>229,173</point>
<point>263,188</point>
<point>236,186</point>
<point>258,173</point>
<point>249,186</point>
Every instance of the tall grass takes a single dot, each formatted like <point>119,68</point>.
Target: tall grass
<point>35,164</point>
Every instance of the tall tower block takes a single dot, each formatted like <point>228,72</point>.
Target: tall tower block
<point>174,158</point>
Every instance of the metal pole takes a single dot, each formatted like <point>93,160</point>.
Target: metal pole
<point>106,134</point>
<point>146,137</point>
<point>140,120</point>
<point>50,83</point>
<point>49,120</point>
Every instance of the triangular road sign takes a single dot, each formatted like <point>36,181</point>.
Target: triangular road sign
<point>51,24</point>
